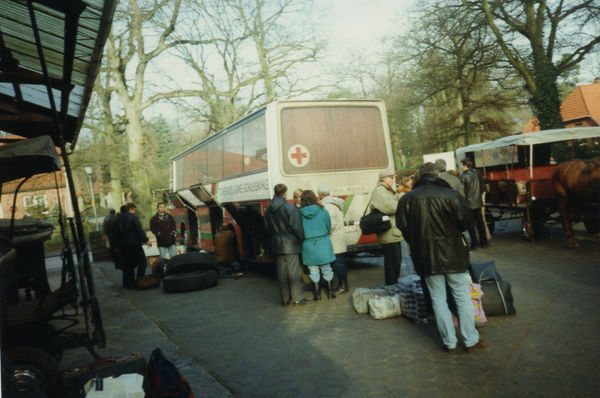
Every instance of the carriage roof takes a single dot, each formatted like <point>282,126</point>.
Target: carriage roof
<point>538,137</point>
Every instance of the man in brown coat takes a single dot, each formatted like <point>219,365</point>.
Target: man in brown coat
<point>162,225</point>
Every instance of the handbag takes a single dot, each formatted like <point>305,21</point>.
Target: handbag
<point>497,295</point>
<point>374,223</point>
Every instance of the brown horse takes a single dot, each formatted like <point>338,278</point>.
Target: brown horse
<point>576,183</point>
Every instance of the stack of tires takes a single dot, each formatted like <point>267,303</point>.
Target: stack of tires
<point>189,271</point>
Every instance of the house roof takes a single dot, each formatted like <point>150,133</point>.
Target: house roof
<point>584,101</point>
<point>71,34</point>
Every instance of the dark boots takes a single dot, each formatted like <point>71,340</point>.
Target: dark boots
<point>343,288</point>
<point>330,293</point>
<point>316,291</point>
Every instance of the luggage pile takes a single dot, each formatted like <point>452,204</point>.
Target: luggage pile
<point>378,302</point>
<point>404,298</point>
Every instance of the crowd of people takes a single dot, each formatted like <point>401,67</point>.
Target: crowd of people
<point>309,233</point>
<point>430,211</point>
<point>126,238</point>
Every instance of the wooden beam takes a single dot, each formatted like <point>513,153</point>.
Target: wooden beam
<point>28,77</point>
<point>26,117</point>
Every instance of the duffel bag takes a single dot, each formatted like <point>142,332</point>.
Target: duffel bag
<point>190,262</point>
<point>497,295</point>
<point>476,269</point>
<point>190,281</point>
<point>374,223</point>
<point>385,307</point>
<point>361,296</point>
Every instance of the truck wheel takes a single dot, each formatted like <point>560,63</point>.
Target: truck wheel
<point>191,262</point>
<point>190,281</point>
<point>34,369</point>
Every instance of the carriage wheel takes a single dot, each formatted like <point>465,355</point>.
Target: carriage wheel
<point>34,369</point>
<point>528,231</point>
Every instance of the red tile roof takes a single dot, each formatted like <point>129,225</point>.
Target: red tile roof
<point>583,102</point>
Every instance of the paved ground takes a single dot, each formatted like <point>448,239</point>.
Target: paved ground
<point>236,340</point>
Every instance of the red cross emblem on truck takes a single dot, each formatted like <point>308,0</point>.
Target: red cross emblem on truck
<point>298,155</point>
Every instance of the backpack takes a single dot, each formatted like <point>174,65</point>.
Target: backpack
<point>164,380</point>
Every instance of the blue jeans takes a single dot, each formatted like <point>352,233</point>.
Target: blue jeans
<point>464,306</point>
<point>171,249</point>
<point>339,266</point>
<point>315,275</point>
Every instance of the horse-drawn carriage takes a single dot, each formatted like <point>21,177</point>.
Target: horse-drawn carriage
<point>521,178</point>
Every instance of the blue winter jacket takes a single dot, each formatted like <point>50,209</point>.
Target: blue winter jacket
<point>316,248</point>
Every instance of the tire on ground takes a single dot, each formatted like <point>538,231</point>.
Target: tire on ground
<point>34,368</point>
<point>190,262</point>
<point>187,282</point>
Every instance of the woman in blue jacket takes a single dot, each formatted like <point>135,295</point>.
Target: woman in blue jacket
<point>317,250</point>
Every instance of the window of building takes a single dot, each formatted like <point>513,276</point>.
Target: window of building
<point>35,205</point>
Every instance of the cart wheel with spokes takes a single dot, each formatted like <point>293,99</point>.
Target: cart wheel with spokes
<point>527,229</point>
<point>34,369</point>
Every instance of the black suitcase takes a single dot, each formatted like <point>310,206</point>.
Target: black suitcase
<point>74,380</point>
<point>190,262</point>
<point>190,281</point>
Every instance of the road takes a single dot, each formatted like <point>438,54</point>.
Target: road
<point>237,340</point>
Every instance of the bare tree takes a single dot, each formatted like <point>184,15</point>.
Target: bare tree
<point>101,122</point>
<point>140,24</point>
<point>456,77</point>
<point>253,52</point>
<point>542,40</point>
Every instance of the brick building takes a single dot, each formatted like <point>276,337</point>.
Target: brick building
<point>39,192</point>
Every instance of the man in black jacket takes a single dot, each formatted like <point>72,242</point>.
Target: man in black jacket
<point>473,191</point>
<point>285,235</point>
<point>130,236</point>
<point>432,217</point>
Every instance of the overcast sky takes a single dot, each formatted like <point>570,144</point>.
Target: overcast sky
<point>360,24</point>
<point>350,27</point>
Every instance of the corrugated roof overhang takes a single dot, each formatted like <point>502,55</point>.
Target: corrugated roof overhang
<point>72,34</point>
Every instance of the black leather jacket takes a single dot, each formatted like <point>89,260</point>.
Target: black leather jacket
<point>431,217</point>
<point>128,231</point>
<point>284,228</point>
<point>473,188</point>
